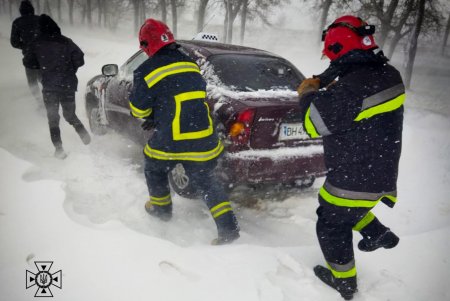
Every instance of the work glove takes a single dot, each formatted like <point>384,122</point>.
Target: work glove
<point>148,124</point>
<point>308,85</point>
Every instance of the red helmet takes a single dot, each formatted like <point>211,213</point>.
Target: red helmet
<point>154,35</point>
<point>345,34</point>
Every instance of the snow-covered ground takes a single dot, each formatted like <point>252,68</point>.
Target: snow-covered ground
<point>86,213</point>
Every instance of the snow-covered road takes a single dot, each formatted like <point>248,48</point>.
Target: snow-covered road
<point>86,214</point>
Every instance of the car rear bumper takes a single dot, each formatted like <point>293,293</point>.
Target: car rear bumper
<point>283,165</point>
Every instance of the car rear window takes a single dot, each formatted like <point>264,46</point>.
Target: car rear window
<point>252,73</point>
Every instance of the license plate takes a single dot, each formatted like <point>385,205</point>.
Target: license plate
<point>291,131</point>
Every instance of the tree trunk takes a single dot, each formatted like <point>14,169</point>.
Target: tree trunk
<point>323,18</point>
<point>173,5</point>
<point>38,7</point>
<point>243,20</point>
<point>99,13</point>
<point>386,19</point>
<point>58,7</point>
<point>47,9</point>
<point>70,5</point>
<point>413,43</point>
<point>89,12</point>
<point>231,14</point>
<point>10,9</point>
<point>163,5</point>
<point>447,31</point>
<point>398,35</point>
<point>201,15</point>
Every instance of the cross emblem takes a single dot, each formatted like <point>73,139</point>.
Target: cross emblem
<point>43,279</point>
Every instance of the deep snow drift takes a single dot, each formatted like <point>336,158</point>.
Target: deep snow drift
<point>86,213</point>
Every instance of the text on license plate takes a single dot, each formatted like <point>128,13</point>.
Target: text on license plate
<point>290,131</point>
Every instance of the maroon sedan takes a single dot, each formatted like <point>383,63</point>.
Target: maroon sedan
<point>252,97</point>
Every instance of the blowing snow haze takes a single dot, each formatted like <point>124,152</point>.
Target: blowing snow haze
<point>86,213</point>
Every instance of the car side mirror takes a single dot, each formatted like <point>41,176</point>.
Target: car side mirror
<point>110,70</point>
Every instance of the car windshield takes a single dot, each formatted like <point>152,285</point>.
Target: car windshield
<point>252,73</point>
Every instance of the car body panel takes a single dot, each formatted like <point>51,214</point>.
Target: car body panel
<point>268,156</point>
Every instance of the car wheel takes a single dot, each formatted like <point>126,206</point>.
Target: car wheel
<point>181,183</point>
<point>97,128</point>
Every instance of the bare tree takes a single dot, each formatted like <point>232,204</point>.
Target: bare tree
<point>400,30</point>
<point>173,5</point>
<point>70,5</point>
<point>89,12</point>
<point>413,43</point>
<point>447,31</point>
<point>58,8</point>
<point>325,5</point>
<point>201,14</point>
<point>47,9</point>
<point>244,14</point>
<point>163,7</point>
<point>232,8</point>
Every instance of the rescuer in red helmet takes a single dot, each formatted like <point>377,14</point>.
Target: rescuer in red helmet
<point>169,93</point>
<point>356,106</point>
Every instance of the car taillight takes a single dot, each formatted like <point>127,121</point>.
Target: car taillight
<point>240,129</point>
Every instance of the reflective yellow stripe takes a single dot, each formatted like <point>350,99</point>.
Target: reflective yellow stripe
<point>388,106</point>
<point>176,123</point>
<point>158,203</point>
<point>309,126</point>
<point>216,215</point>
<point>221,209</point>
<point>338,201</point>
<point>160,73</point>
<point>191,156</point>
<point>367,219</point>
<point>138,113</point>
<point>215,208</point>
<point>346,274</point>
<point>155,198</point>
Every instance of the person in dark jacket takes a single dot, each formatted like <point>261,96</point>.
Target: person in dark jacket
<point>359,113</point>
<point>169,92</point>
<point>24,30</point>
<point>58,58</point>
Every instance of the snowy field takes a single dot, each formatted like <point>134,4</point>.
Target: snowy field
<point>86,213</point>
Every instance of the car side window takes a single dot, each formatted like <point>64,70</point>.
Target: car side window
<point>133,63</point>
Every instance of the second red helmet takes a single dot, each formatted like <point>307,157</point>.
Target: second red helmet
<point>154,35</point>
<point>345,34</point>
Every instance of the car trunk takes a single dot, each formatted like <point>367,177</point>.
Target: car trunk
<point>275,123</point>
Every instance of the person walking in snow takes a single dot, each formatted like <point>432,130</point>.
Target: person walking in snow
<point>356,105</point>
<point>169,92</point>
<point>24,30</point>
<point>58,58</point>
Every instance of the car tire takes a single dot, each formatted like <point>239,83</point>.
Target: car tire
<point>97,128</point>
<point>181,183</point>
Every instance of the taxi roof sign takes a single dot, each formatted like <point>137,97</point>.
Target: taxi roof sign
<point>205,36</point>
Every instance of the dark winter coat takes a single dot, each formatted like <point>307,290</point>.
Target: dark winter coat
<point>169,88</point>
<point>25,30</point>
<point>56,56</point>
<point>360,118</point>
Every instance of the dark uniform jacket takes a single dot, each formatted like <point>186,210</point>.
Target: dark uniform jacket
<point>57,57</point>
<point>360,118</point>
<point>24,30</point>
<point>169,88</point>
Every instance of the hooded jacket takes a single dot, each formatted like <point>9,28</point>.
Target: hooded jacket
<point>56,56</point>
<point>360,118</point>
<point>25,29</point>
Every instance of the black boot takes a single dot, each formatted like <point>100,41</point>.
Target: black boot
<point>227,228</point>
<point>345,286</point>
<point>164,213</point>
<point>387,240</point>
<point>83,133</point>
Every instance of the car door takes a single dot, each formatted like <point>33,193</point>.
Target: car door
<point>118,95</point>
